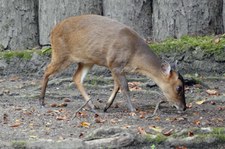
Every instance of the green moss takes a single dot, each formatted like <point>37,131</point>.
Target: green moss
<point>23,54</point>
<point>158,138</point>
<point>46,51</point>
<point>219,133</point>
<point>26,54</point>
<point>19,144</point>
<point>205,43</point>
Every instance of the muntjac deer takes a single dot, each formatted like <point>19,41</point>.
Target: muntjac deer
<point>91,39</point>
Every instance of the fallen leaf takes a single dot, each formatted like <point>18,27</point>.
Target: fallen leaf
<point>168,133</point>
<point>142,114</point>
<point>49,111</point>
<point>132,114</point>
<point>67,100</point>
<point>200,102</point>
<point>16,124</point>
<point>156,128</point>
<point>221,108</point>
<point>82,114</point>
<point>157,118</point>
<point>81,135</point>
<point>113,121</point>
<point>98,119</point>
<point>212,102</point>
<point>141,130</point>
<point>212,92</point>
<point>134,86</point>
<point>126,126</point>
<point>189,105</point>
<point>190,134</point>
<point>62,105</point>
<point>178,119</point>
<point>53,105</point>
<point>85,124</point>
<point>14,78</point>
<point>197,122</point>
<point>61,118</point>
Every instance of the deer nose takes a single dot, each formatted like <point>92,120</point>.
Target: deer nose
<point>184,108</point>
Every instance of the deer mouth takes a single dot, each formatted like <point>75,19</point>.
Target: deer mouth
<point>181,108</point>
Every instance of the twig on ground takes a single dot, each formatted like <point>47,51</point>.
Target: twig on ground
<point>156,108</point>
<point>81,108</point>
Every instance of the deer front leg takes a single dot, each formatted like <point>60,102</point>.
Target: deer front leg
<point>112,96</point>
<point>120,78</point>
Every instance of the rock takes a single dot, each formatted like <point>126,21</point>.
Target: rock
<point>114,137</point>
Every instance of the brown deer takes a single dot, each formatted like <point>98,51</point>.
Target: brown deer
<point>91,39</point>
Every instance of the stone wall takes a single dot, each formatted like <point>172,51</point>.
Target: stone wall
<point>27,23</point>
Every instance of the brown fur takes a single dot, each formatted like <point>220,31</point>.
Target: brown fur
<point>92,39</point>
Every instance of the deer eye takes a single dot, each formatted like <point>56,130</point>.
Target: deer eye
<point>179,89</point>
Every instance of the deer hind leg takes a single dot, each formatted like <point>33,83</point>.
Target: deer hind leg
<point>78,79</point>
<point>51,69</point>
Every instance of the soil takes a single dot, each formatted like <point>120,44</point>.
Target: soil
<point>22,118</point>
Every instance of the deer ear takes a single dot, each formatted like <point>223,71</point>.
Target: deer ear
<point>166,68</point>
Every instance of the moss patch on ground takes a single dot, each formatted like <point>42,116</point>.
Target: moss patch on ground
<point>209,44</point>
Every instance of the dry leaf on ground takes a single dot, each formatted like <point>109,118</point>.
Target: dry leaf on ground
<point>141,130</point>
<point>200,102</point>
<point>134,86</point>
<point>85,124</point>
<point>212,92</point>
<point>16,124</point>
<point>167,133</point>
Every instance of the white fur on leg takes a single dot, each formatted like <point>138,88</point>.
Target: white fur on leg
<point>84,73</point>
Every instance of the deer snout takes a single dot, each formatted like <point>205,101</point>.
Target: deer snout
<point>180,107</point>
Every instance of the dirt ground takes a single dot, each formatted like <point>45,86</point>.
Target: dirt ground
<point>21,117</point>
